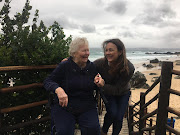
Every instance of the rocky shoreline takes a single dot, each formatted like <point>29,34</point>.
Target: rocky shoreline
<point>168,53</point>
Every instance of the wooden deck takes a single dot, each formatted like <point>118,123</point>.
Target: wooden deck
<point>124,130</point>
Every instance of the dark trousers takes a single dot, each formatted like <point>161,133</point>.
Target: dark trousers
<point>115,112</point>
<point>65,121</point>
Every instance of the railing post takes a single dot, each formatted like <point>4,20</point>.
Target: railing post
<point>150,126</point>
<point>141,113</point>
<point>163,103</point>
<point>130,119</point>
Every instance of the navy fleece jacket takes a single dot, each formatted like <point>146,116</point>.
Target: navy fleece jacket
<point>77,83</point>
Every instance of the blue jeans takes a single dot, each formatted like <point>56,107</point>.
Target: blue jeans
<point>65,121</point>
<point>115,112</point>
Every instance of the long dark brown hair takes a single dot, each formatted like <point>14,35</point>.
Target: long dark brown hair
<point>122,63</point>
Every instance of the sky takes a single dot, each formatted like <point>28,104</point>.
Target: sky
<point>137,23</point>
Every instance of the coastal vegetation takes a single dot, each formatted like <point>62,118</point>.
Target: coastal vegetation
<point>22,44</point>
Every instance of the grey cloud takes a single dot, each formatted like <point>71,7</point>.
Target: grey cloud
<point>172,39</point>
<point>156,16</point>
<point>62,20</point>
<point>109,27</point>
<point>172,35</point>
<point>98,2</point>
<point>126,34</point>
<point>87,28</point>
<point>118,7</point>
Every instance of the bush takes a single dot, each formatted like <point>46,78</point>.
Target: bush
<point>23,44</point>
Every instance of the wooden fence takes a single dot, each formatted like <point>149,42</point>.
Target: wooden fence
<point>26,87</point>
<point>162,110</point>
<point>4,129</point>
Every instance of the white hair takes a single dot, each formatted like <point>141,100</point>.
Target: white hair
<point>76,43</point>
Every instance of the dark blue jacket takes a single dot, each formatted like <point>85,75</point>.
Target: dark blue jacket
<point>77,83</point>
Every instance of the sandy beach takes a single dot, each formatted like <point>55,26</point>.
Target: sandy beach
<point>174,100</point>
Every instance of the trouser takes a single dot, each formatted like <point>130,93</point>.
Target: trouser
<point>65,121</point>
<point>116,109</point>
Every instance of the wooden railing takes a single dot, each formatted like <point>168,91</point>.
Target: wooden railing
<point>162,110</point>
<point>26,87</point>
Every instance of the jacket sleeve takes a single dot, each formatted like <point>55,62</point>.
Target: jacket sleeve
<point>121,85</point>
<point>53,81</point>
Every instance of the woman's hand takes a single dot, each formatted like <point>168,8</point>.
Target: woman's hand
<point>65,59</point>
<point>99,81</point>
<point>62,96</point>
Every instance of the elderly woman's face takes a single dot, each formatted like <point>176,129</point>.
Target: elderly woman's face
<point>82,54</point>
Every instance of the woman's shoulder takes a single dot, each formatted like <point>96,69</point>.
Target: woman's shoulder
<point>99,61</point>
<point>131,66</point>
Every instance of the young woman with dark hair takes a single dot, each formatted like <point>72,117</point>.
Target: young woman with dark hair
<point>116,70</point>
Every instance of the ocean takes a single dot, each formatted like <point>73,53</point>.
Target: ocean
<point>138,55</point>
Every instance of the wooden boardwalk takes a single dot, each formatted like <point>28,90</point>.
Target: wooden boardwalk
<point>124,130</point>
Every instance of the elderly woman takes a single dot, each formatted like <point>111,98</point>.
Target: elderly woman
<point>73,84</point>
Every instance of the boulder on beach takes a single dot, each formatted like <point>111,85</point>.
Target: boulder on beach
<point>177,77</point>
<point>177,62</point>
<point>154,61</point>
<point>138,80</point>
<point>148,65</point>
<point>154,79</point>
<point>152,73</point>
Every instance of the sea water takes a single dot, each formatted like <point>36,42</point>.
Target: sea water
<point>139,55</point>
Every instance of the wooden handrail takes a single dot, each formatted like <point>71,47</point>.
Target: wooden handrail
<point>175,72</point>
<point>152,86</point>
<point>20,107</point>
<point>18,68</point>
<point>149,114</point>
<point>134,123</point>
<point>150,101</point>
<point>171,110</point>
<point>22,87</point>
<point>149,128</point>
<point>20,125</point>
<point>172,130</point>
<point>136,104</point>
<point>135,114</point>
<point>174,92</point>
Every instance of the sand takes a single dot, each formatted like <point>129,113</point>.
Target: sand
<point>175,84</point>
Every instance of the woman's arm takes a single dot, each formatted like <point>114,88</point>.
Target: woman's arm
<point>53,83</point>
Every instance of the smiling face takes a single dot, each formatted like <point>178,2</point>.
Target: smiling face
<point>81,55</point>
<point>111,52</point>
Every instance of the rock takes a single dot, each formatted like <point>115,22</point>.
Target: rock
<point>144,64</point>
<point>177,62</point>
<point>154,79</point>
<point>138,80</point>
<point>154,61</point>
<point>152,74</point>
<point>168,53</point>
<point>177,77</point>
<point>149,66</point>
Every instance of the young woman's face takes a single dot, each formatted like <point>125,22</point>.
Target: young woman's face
<point>111,52</point>
<point>82,54</point>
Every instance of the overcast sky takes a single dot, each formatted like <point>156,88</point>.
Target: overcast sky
<point>138,23</point>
